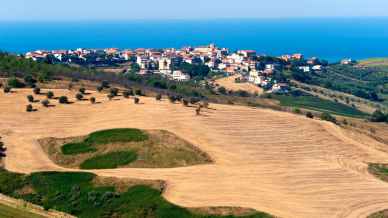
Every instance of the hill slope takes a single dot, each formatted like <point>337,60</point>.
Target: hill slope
<point>275,162</point>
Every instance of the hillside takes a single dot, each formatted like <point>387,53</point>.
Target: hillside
<point>277,162</point>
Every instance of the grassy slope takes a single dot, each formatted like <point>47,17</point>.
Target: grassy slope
<point>381,172</point>
<point>76,194</point>
<point>110,160</point>
<point>10,212</point>
<point>318,104</point>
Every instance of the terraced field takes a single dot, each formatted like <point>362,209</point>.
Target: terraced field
<point>276,162</point>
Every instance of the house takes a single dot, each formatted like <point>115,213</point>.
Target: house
<point>347,61</point>
<point>180,76</point>
<point>305,69</point>
<point>280,88</point>
<point>247,53</point>
<point>317,68</point>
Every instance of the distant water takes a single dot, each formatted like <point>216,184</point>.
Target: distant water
<point>331,39</point>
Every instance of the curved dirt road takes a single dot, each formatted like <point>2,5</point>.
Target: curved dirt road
<point>275,162</point>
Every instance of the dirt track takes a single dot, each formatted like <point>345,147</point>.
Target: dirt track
<point>271,161</point>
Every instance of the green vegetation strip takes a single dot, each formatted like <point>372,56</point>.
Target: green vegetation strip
<point>109,160</point>
<point>75,193</point>
<point>318,104</point>
<point>104,137</point>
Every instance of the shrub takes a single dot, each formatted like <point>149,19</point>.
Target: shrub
<point>70,86</point>
<point>309,115</point>
<point>30,98</point>
<point>296,110</point>
<point>222,90</point>
<point>114,91</point>
<point>36,90</point>
<point>50,94</point>
<point>328,117</point>
<point>63,100</point>
<point>92,100</point>
<point>136,100</point>
<point>7,89</point>
<point>45,103</point>
<point>82,90</point>
<point>79,96</point>
<point>158,97</point>
<point>29,108</point>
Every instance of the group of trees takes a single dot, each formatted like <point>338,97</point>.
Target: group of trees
<point>379,116</point>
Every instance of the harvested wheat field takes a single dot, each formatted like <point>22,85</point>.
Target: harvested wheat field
<point>275,162</point>
<point>230,84</point>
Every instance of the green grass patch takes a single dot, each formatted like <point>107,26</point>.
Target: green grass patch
<point>318,104</point>
<point>76,194</point>
<point>110,160</point>
<point>379,170</point>
<point>103,137</point>
<point>77,148</point>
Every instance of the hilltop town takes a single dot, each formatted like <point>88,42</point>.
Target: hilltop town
<point>190,63</point>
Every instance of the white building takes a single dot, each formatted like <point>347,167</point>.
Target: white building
<point>180,76</point>
<point>305,69</point>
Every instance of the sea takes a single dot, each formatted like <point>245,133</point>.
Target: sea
<point>327,38</point>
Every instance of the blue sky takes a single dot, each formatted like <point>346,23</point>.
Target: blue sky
<point>186,9</point>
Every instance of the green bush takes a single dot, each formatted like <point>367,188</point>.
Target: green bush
<point>9,182</point>
<point>110,160</point>
<point>136,100</point>
<point>139,92</point>
<point>379,116</point>
<point>92,100</point>
<point>100,88</point>
<point>82,90</point>
<point>114,91</point>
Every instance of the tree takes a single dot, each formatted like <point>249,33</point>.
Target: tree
<point>127,93</point>
<point>7,89</point>
<point>50,94</point>
<point>100,88</point>
<point>45,103</point>
<point>328,117</point>
<point>114,91</point>
<point>136,100</point>
<point>29,80</point>
<point>29,108</point>
<point>158,97</point>
<point>172,98</point>
<point>222,90</point>
<point>138,92</point>
<point>379,116</point>
<point>30,98</point>
<point>309,115</point>
<point>63,100</point>
<point>79,96</point>
<point>82,90</point>
<point>110,96</point>
<point>185,102</point>
<point>15,83</point>
<point>36,90</point>
<point>198,111</point>
<point>92,100</point>
<point>105,84</point>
